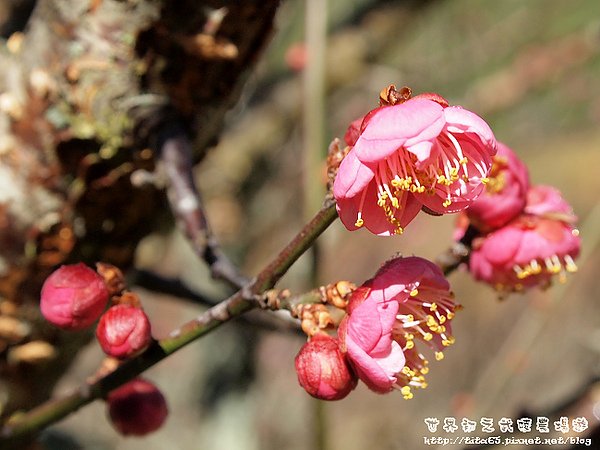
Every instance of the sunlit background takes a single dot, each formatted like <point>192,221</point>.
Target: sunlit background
<point>532,70</point>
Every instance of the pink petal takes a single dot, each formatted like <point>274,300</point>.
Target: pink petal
<point>370,324</point>
<point>460,120</point>
<point>352,177</point>
<point>392,127</point>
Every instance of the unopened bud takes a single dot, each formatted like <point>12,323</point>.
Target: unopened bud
<point>322,369</point>
<point>123,331</point>
<point>137,408</point>
<point>73,297</point>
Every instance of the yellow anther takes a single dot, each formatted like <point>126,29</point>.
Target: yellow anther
<point>428,336</point>
<point>570,264</point>
<point>406,370</point>
<point>447,203</point>
<point>359,222</point>
<point>414,292</point>
<point>433,307</point>
<point>406,392</point>
<point>396,183</point>
<point>442,319</point>
<point>450,315</point>
<point>521,272</point>
<point>409,345</point>
<point>485,180</point>
<point>395,202</point>
<point>464,160</point>
<point>439,356</point>
<point>535,267</point>
<point>425,370</point>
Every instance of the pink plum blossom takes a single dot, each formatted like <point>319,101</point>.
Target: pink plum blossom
<point>411,155</point>
<point>505,193</point>
<point>322,369</point>
<point>408,299</point>
<point>530,250</point>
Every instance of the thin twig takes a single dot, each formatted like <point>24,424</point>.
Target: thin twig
<point>458,253</point>
<point>21,426</point>
<point>175,153</point>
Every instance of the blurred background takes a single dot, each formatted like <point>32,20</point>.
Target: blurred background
<point>532,70</point>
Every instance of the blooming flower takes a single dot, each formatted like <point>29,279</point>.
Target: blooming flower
<point>407,300</point>
<point>409,155</point>
<point>531,249</point>
<point>73,297</point>
<point>505,193</point>
<point>323,370</point>
<point>137,408</point>
<point>123,331</point>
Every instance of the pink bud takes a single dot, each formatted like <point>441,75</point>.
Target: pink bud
<point>505,193</point>
<point>137,408</point>
<point>322,369</point>
<point>123,331</point>
<point>73,297</point>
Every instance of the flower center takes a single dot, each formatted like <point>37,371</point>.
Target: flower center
<point>446,173</point>
<point>423,315</point>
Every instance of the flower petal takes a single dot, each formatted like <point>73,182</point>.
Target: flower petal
<point>392,127</point>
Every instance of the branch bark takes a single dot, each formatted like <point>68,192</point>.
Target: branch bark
<point>83,96</point>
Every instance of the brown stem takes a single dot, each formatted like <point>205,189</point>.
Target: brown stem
<point>175,151</point>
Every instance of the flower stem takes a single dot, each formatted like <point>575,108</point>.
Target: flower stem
<point>20,427</point>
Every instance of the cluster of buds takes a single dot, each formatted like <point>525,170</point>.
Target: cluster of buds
<point>527,234</point>
<point>406,304</point>
<point>74,297</point>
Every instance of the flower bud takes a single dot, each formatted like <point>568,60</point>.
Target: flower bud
<point>123,331</point>
<point>505,193</point>
<point>137,408</point>
<point>73,297</point>
<point>322,369</point>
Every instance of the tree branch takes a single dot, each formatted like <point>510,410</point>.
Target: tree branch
<point>175,154</point>
<point>22,426</point>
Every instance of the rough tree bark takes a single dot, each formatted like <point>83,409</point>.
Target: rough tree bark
<point>86,92</point>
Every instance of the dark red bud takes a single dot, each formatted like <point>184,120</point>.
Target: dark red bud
<point>322,369</point>
<point>137,408</point>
